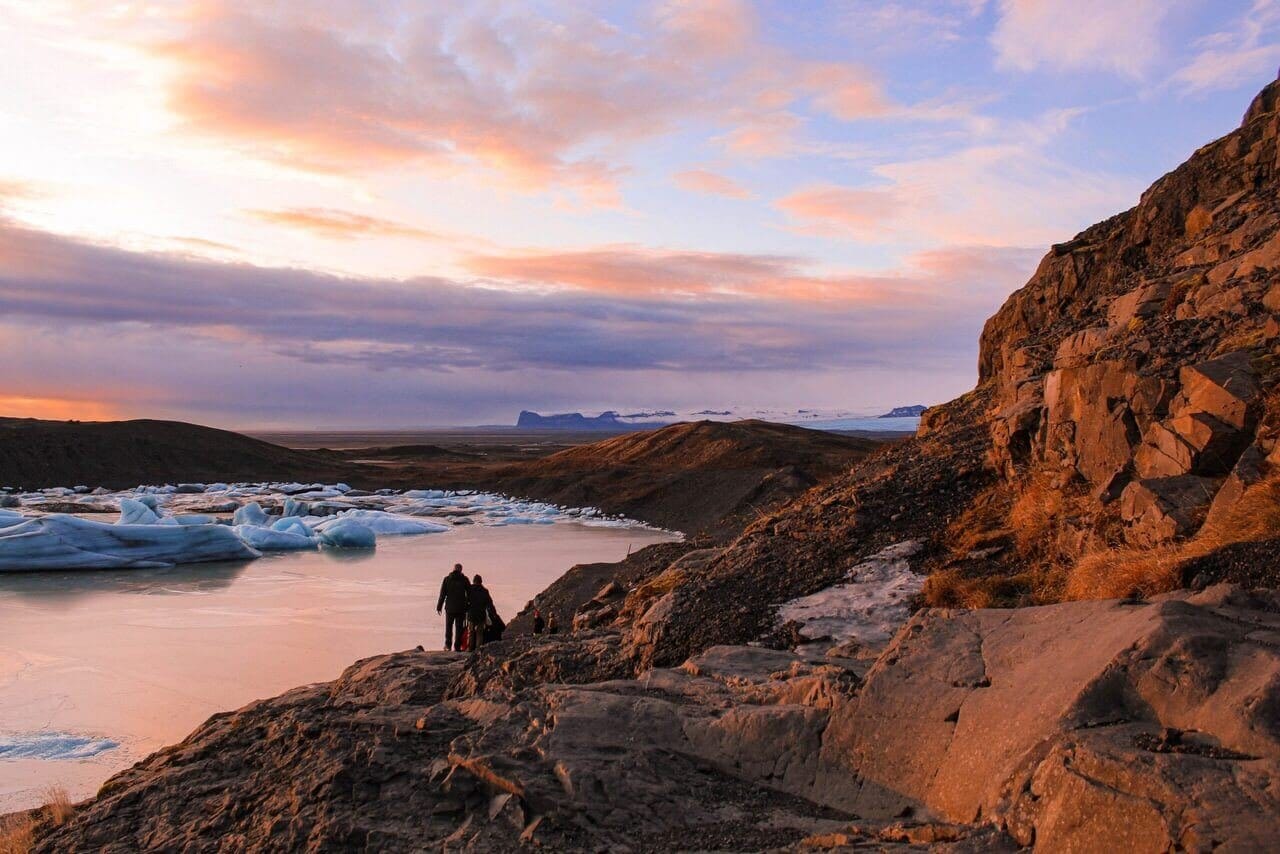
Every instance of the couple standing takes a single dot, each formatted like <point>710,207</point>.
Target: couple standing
<point>467,604</point>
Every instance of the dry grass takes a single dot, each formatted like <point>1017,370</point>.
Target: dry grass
<point>1121,572</point>
<point>951,588</point>
<point>18,831</point>
<point>639,600</point>
<point>17,834</point>
<point>982,523</point>
<point>1035,515</point>
<point>58,804</point>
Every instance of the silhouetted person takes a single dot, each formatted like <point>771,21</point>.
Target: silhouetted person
<point>480,612</point>
<point>538,623</point>
<point>454,598</point>
<point>553,625</point>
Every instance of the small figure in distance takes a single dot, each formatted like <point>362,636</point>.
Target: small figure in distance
<point>538,623</point>
<point>480,612</point>
<point>454,598</point>
<point>553,625</point>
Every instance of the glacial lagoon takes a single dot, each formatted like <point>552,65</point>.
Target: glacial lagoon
<point>99,668</point>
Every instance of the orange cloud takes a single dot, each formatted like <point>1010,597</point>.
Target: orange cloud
<point>702,181</point>
<point>645,273</point>
<point>56,408</point>
<point>634,270</point>
<point>533,99</point>
<point>831,209</point>
<point>844,91</point>
<point>340,225</point>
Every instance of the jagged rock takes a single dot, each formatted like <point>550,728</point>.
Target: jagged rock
<point>1223,388</point>
<point>1077,348</point>
<point>1159,509</point>
<point>1068,748</point>
<point>1249,469</point>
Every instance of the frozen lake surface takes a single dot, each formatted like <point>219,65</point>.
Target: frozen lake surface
<point>100,668</point>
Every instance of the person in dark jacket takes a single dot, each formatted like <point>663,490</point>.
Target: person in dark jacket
<point>455,596</point>
<point>480,612</point>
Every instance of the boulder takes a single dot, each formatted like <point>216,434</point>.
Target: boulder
<point>1223,387</point>
<point>1157,510</point>
<point>1135,727</point>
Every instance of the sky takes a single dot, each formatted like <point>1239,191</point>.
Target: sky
<point>396,213</point>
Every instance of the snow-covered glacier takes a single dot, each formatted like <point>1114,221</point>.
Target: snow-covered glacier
<point>161,526</point>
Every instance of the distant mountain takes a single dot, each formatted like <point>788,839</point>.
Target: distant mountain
<point>609,420</point>
<point>905,412</point>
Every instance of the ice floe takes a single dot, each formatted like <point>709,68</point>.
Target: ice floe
<point>348,534</point>
<point>869,607</point>
<point>52,745</point>
<point>160,525</point>
<point>69,542</point>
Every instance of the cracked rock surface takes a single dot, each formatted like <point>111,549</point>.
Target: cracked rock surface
<point>1081,726</point>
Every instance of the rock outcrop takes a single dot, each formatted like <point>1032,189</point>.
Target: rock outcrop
<point>1137,362</point>
<point>1143,726</point>
<point>1126,396</point>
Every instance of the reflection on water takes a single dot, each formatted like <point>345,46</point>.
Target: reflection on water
<point>141,657</point>
<point>53,588</point>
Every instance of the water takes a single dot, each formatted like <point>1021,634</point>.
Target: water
<point>872,425</point>
<point>99,669</point>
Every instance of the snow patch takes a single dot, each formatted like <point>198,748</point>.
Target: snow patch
<point>869,607</point>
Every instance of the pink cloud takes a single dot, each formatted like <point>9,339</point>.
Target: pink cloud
<point>537,102</point>
<point>711,183</point>
<point>834,210</point>
<point>341,225</point>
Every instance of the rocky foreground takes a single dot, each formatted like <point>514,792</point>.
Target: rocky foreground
<point>1106,725</point>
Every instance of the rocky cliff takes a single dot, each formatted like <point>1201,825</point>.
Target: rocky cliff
<point>1124,425</point>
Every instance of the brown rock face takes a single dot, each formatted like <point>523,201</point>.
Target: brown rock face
<point>1155,320</point>
<point>1119,392</point>
<point>1086,726</point>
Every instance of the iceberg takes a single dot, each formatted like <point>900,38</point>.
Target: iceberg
<point>348,534</point>
<point>69,542</point>
<point>251,514</point>
<point>269,540</point>
<point>135,512</point>
<point>292,524</point>
<point>382,522</point>
<point>294,507</point>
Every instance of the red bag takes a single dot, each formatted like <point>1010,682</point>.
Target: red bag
<point>466,638</point>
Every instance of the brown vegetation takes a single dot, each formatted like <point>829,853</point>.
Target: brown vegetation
<point>17,833</point>
<point>1136,572</point>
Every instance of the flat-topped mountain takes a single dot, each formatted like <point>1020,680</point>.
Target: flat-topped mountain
<point>577,421</point>
<point>914,411</point>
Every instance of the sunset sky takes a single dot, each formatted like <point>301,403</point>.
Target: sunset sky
<point>405,213</point>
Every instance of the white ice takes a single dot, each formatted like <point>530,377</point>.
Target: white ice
<point>334,519</point>
<point>52,745</point>
<point>382,522</point>
<point>69,542</point>
<point>869,607</point>
<point>135,512</point>
<point>271,540</point>
<point>348,534</point>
